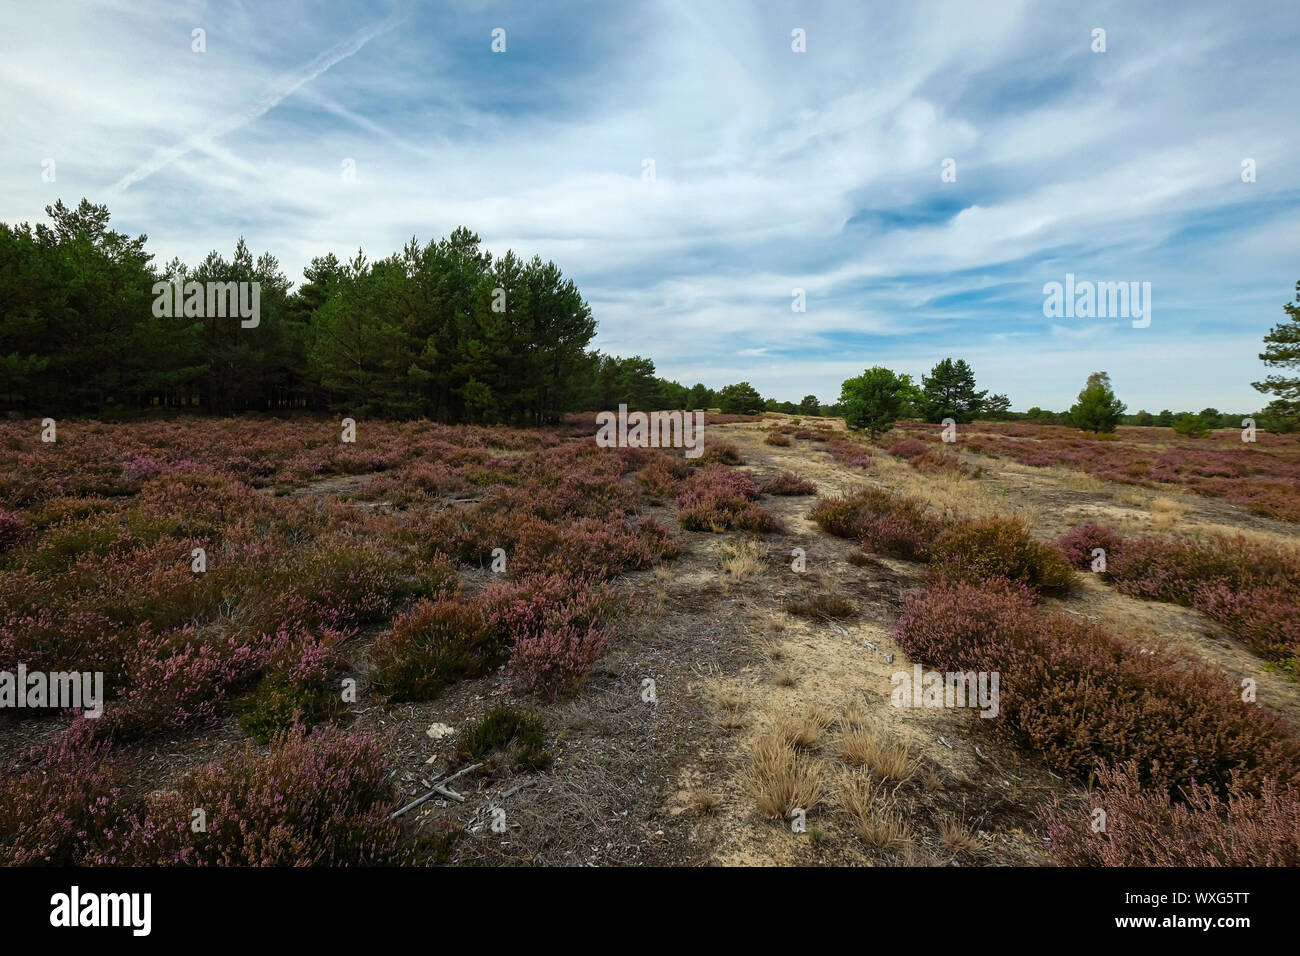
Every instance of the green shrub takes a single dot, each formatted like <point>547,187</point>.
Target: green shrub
<point>278,704</point>
<point>1001,548</point>
<point>506,729</point>
<point>435,644</point>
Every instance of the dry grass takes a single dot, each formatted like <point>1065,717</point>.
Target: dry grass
<point>731,705</point>
<point>1080,480</point>
<point>956,835</point>
<point>854,715</point>
<point>800,733</point>
<point>865,747</point>
<point>1167,512</point>
<point>875,817</point>
<point>782,779</point>
<point>784,677</point>
<point>822,607</point>
<point>703,802</point>
<point>951,493</point>
<point>741,561</point>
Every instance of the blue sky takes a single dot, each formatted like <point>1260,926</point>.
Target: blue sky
<point>774,170</point>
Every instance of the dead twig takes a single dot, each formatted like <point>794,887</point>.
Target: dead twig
<point>439,789</point>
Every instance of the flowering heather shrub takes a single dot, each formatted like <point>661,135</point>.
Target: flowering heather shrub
<point>1145,827</point>
<point>714,499</point>
<point>1263,476</point>
<point>776,438</point>
<point>850,453</point>
<point>933,461</point>
<point>883,521</point>
<point>436,643</point>
<point>803,434</point>
<point>662,475</point>
<point>1265,618</point>
<point>318,800</point>
<point>1083,698</point>
<point>13,529</point>
<point>1172,569</point>
<point>992,548</point>
<point>590,548</point>
<point>555,624</point>
<point>56,800</point>
<point>1248,587</point>
<point>788,483</point>
<point>722,453</point>
<point>908,448</point>
<point>1077,544</point>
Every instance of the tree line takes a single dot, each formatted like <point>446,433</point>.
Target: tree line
<point>442,331</point>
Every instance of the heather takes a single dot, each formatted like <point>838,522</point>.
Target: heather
<point>883,521</point>
<point>1247,586</point>
<point>1000,548</point>
<point>1262,476</point>
<point>320,799</point>
<point>1082,698</point>
<point>1146,826</point>
<point>717,498</point>
<point>788,483</point>
<point>197,567</point>
<point>56,801</point>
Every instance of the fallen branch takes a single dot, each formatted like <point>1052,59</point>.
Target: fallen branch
<point>439,789</point>
<point>513,790</point>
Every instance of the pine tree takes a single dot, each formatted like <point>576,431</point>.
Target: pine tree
<point>1282,350</point>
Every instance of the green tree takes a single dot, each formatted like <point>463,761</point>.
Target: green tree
<point>740,399</point>
<point>1097,410</point>
<point>874,400</point>
<point>949,392</point>
<point>1282,350</point>
<point>997,407</point>
<point>702,397</point>
<point>1144,418</point>
<point>1188,425</point>
<point>809,406</point>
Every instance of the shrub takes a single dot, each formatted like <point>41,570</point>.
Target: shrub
<point>1081,696</point>
<point>908,448</point>
<point>279,704</point>
<point>503,728</point>
<point>436,643</point>
<point>555,626</point>
<point>319,800</point>
<point>13,529</point>
<point>1078,543</point>
<point>884,522</point>
<point>662,475</point>
<point>788,483</point>
<point>715,499</point>
<point>776,438</point>
<point>1000,548</point>
<point>721,453</point>
<point>933,461</point>
<point>1146,827</point>
<point>589,547</point>
<point>57,801</point>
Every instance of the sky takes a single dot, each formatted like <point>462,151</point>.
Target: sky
<point>690,169</point>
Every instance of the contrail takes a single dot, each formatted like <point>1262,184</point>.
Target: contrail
<point>287,85</point>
